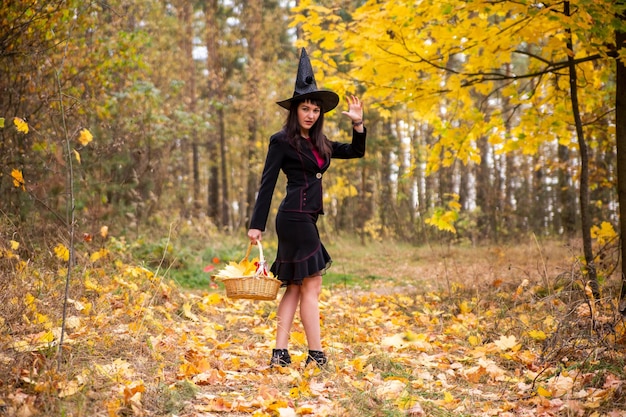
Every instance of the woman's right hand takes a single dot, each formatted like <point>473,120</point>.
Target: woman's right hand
<point>255,235</point>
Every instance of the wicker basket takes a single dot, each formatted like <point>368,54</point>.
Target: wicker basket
<point>256,287</point>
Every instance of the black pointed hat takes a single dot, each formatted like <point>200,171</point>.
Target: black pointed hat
<point>306,88</point>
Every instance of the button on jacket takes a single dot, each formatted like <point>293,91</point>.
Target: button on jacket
<point>304,176</point>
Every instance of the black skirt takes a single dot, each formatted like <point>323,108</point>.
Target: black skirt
<point>300,252</point>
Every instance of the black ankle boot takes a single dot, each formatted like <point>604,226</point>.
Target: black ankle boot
<point>318,356</point>
<point>280,357</point>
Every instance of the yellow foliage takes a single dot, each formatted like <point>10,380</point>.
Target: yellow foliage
<point>537,334</point>
<point>298,338</point>
<point>98,255</point>
<point>443,61</point>
<point>393,346</point>
<point>448,397</point>
<point>603,234</point>
<point>85,137</point>
<point>465,308</point>
<point>188,313</point>
<point>506,342</point>
<point>444,219</point>
<point>62,252</point>
<point>473,340</point>
<point>21,125</point>
<point>341,189</point>
<point>244,268</point>
<point>541,391</point>
<point>18,179</point>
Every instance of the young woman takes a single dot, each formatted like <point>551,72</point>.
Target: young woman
<point>303,153</point>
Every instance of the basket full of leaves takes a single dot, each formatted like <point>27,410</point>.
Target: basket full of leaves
<point>249,278</point>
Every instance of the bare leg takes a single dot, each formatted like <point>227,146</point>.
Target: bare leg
<point>286,312</point>
<point>309,310</point>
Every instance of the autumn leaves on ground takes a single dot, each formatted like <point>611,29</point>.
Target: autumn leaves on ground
<point>431,331</point>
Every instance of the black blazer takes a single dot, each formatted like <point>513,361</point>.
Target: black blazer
<point>304,176</point>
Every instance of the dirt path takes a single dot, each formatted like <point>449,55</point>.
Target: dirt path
<point>448,337</point>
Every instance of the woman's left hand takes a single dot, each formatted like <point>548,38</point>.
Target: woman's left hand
<point>355,109</point>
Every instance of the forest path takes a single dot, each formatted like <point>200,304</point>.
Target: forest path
<point>441,336</point>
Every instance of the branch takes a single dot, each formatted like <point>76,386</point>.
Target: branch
<point>497,75</point>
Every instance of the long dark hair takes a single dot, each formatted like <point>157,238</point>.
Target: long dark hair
<point>318,139</point>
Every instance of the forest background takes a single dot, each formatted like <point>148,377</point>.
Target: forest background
<point>134,135</point>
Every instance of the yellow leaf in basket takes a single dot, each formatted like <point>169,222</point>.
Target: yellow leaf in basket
<point>231,270</point>
<point>250,270</point>
<point>249,266</point>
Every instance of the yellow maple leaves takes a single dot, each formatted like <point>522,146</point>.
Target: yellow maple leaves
<point>247,267</point>
<point>18,179</point>
<point>505,343</point>
<point>408,351</point>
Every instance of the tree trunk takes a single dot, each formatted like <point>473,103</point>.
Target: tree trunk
<point>584,167</point>
<point>566,212</point>
<point>539,198</point>
<point>255,36</point>
<point>225,212</point>
<point>404,207</point>
<point>386,195</point>
<point>510,219</point>
<point>620,138</point>
<point>421,182</point>
<point>215,97</point>
<point>484,189</point>
<point>191,94</point>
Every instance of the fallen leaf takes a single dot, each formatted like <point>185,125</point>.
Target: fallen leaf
<point>390,389</point>
<point>68,388</point>
<point>415,411</point>
<point>543,392</point>
<point>287,412</point>
<point>506,342</point>
<point>537,335</point>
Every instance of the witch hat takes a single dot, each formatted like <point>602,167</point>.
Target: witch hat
<point>306,88</point>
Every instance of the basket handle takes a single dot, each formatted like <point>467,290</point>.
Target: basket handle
<point>262,269</point>
<point>249,250</point>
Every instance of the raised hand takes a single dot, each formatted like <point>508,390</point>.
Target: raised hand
<point>355,109</point>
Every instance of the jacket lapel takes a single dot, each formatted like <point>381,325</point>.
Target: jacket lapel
<point>307,152</point>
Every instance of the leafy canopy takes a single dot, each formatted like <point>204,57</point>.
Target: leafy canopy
<point>471,70</point>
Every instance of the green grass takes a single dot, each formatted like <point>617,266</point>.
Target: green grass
<point>184,260</point>
<point>342,280</point>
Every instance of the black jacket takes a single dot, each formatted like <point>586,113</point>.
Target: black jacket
<point>304,176</point>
